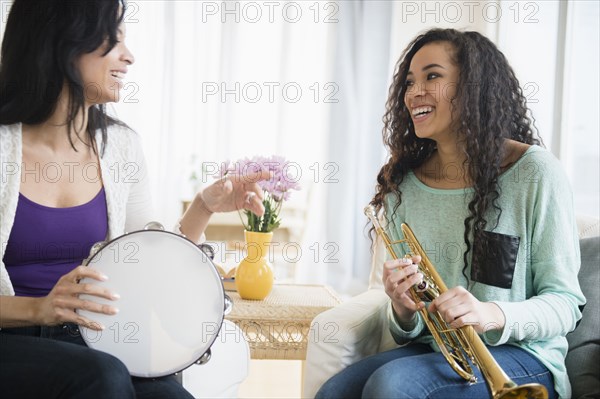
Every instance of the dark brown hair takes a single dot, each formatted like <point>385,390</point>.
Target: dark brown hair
<point>42,40</point>
<point>492,108</point>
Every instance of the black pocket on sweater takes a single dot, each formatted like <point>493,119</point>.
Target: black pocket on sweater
<point>497,262</point>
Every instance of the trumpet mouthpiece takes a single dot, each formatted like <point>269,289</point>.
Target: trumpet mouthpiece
<point>370,211</point>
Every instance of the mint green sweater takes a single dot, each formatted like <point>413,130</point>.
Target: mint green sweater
<point>541,305</point>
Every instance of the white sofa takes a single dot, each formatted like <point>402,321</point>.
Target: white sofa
<point>363,330</point>
<point>225,371</point>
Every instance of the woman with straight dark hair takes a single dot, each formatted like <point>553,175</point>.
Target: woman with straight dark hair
<point>61,62</point>
<point>493,209</point>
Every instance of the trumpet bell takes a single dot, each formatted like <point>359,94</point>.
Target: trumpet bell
<point>525,391</point>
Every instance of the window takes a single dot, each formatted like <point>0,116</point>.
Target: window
<point>553,47</point>
<point>580,144</point>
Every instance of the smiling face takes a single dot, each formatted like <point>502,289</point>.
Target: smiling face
<point>102,75</point>
<point>431,86</point>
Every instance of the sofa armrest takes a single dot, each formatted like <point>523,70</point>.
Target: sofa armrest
<point>584,343</point>
<point>343,335</point>
<point>588,226</point>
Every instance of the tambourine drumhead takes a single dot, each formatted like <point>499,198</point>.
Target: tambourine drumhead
<point>171,306</point>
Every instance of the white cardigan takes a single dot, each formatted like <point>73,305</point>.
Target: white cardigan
<point>124,176</point>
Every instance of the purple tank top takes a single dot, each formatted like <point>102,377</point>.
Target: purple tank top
<point>46,243</point>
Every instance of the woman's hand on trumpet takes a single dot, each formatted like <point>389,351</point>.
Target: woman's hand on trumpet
<point>399,275</point>
<point>458,307</point>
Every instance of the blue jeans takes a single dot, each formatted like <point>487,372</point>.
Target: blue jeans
<point>416,371</point>
<point>54,362</point>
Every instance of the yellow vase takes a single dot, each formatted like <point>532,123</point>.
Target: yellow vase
<point>254,275</point>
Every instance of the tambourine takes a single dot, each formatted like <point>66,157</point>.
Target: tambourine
<point>172,301</point>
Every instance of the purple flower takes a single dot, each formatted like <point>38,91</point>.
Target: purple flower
<point>277,189</point>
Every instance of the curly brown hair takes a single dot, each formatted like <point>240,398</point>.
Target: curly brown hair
<point>492,108</point>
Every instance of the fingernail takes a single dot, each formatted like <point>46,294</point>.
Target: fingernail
<point>115,296</point>
<point>115,310</point>
<point>103,277</point>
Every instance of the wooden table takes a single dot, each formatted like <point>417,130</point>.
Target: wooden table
<point>278,327</point>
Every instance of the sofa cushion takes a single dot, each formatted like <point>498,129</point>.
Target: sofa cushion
<point>583,358</point>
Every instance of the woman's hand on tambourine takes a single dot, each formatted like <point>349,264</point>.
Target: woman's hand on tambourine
<point>459,307</point>
<point>60,305</point>
<point>235,192</point>
<point>398,276</point>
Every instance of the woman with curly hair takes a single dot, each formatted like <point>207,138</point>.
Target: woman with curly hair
<point>494,212</point>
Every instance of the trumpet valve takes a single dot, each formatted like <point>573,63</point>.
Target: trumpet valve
<point>426,290</point>
<point>422,286</point>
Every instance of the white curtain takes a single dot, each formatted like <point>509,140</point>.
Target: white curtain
<point>361,66</point>
<point>223,90</point>
<point>217,81</point>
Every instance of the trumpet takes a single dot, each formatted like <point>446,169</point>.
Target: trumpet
<point>461,347</point>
